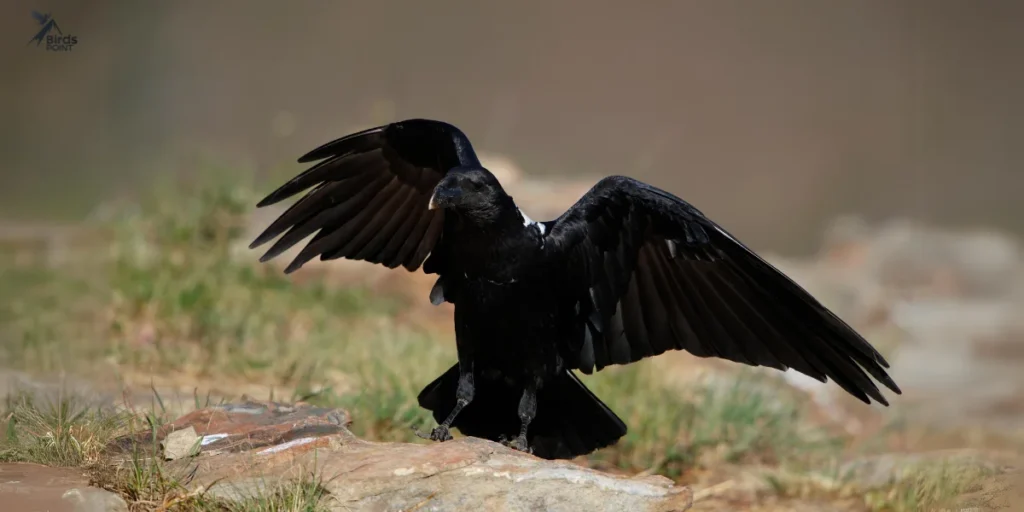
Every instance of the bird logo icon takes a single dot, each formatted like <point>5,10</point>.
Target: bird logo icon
<point>47,23</point>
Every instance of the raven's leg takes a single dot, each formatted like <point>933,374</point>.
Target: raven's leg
<point>527,411</point>
<point>463,396</point>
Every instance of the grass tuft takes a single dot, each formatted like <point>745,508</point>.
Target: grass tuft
<point>928,487</point>
<point>148,485</point>
<point>306,494</point>
<point>673,430</point>
<point>58,432</point>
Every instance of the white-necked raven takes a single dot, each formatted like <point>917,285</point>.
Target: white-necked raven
<point>628,272</point>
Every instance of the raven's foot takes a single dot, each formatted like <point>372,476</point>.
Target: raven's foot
<point>439,433</point>
<point>518,444</point>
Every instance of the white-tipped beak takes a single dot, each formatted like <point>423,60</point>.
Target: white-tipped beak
<point>443,197</point>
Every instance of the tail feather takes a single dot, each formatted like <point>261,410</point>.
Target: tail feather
<point>570,420</point>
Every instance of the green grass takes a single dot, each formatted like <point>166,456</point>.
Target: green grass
<point>147,484</point>
<point>750,419</point>
<point>60,431</point>
<point>387,381</point>
<point>300,496</point>
<point>933,485</point>
<point>162,289</point>
<point>928,487</point>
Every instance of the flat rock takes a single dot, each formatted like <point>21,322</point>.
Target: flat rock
<point>91,499</point>
<point>264,445</point>
<point>245,426</point>
<point>36,488</point>
<point>181,443</point>
<point>463,474</point>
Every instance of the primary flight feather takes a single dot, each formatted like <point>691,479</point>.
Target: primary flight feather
<point>628,272</point>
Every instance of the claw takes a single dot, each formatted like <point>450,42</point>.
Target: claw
<point>519,444</point>
<point>419,433</point>
<point>439,433</point>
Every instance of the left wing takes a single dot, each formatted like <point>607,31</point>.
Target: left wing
<point>653,273</point>
<point>368,196</point>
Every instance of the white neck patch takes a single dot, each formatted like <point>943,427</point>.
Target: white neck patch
<point>527,221</point>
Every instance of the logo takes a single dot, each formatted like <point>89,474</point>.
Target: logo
<point>50,33</point>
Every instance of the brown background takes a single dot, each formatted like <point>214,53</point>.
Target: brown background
<point>772,116</point>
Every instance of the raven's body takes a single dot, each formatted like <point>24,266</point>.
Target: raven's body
<point>628,272</point>
<point>511,297</point>
<point>507,301</point>
<point>521,346</point>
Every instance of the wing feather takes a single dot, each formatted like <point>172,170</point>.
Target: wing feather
<point>652,305</point>
<point>389,221</point>
<point>356,231</point>
<point>330,224</point>
<point>424,246</point>
<point>656,274</point>
<point>412,241</point>
<point>368,196</point>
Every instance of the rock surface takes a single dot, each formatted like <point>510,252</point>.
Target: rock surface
<point>181,443</point>
<point>249,448</point>
<point>35,488</point>
<point>91,499</point>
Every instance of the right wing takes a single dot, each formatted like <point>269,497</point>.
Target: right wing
<point>652,273</point>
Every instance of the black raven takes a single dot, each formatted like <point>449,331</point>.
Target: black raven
<point>628,272</point>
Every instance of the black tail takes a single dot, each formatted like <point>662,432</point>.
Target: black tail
<point>570,420</point>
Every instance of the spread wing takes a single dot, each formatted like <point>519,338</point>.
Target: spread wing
<point>654,274</point>
<point>369,196</point>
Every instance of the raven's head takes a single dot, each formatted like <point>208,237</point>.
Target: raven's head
<point>468,190</point>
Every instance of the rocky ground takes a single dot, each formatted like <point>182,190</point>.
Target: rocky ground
<point>238,451</point>
<point>941,305</point>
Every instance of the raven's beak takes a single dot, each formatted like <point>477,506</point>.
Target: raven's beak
<point>443,197</point>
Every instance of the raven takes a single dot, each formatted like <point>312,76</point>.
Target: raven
<point>628,272</point>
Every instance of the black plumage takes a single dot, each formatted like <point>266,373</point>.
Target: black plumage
<point>628,272</point>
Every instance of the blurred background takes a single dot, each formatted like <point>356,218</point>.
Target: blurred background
<point>773,116</point>
<point>871,149</point>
